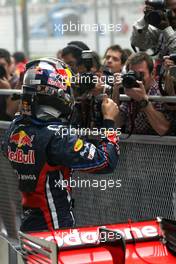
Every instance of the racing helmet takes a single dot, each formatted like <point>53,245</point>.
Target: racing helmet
<point>47,91</point>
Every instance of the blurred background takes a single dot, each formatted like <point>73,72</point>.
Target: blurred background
<point>33,25</point>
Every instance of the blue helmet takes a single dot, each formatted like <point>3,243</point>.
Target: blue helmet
<point>47,83</point>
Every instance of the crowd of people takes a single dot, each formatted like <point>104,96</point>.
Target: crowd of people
<point>157,74</point>
<point>52,101</point>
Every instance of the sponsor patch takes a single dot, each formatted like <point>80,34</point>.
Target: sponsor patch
<point>19,156</point>
<point>21,139</point>
<point>56,83</point>
<point>85,151</point>
<point>35,82</point>
<point>78,145</point>
<point>26,177</point>
<point>91,152</point>
<point>88,151</point>
<point>112,137</point>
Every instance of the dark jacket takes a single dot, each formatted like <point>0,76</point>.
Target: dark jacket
<point>43,160</point>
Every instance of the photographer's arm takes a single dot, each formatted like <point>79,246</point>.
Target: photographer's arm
<point>79,154</point>
<point>170,36</point>
<point>11,106</point>
<point>144,36</point>
<point>121,116</point>
<point>116,87</point>
<point>4,84</point>
<point>157,120</point>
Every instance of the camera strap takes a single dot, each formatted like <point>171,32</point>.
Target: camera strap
<point>155,51</point>
<point>160,82</point>
<point>133,111</point>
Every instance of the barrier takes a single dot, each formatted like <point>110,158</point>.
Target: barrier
<point>9,196</point>
<point>152,98</point>
<point>146,168</point>
<point>147,171</point>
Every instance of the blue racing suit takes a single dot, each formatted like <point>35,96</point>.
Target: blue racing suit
<point>40,156</point>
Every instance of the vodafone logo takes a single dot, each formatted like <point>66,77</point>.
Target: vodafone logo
<point>76,237</point>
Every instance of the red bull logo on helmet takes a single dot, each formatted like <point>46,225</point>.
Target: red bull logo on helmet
<point>21,139</point>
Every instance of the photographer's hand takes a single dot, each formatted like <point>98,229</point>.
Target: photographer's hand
<point>137,93</point>
<point>110,109</point>
<point>117,79</point>
<point>147,9</point>
<point>4,84</point>
<point>168,63</point>
<point>99,88</point>
<point>116,87</point>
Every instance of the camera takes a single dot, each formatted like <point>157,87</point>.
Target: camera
<point>109,76</point>
<point>154,17</point>
<point>87,59</point>
<point>86,83</point>
<point>86,79</point>
<point>2,72</point>
<point>172,70</point>
<point>130,79</point>
<point>156,4</point>
<point>173,57</point>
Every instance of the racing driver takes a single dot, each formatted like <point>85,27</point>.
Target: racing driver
<point>40,154</point>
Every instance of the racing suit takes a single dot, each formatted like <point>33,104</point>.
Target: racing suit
<point>43,160</point>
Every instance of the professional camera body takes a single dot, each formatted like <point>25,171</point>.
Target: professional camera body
<point>109,76</point>
<point>172,70</point>
<point>173,57</point>
<point>154,17</point>
<point>167,79</point>
<point>87,82</point>
<point>130,79</point>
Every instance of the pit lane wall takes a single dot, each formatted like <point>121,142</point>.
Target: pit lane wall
<point>144,186</point>
<point>9,253</point>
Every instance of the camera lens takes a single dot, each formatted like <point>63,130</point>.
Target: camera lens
<point>153,18</point>
<point>173,57</point>
<point>129,80</point>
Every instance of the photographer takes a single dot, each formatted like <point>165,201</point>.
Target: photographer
<point>48,155</point>
<point>115,58</point>
<point>8,107</point>
<point>71,55</point>
<point>141,116</point>
<point>156,30</point>
<point>90,86</point>
<point>169,88</point>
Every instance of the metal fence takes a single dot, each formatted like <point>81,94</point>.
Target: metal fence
<point>146,168</point>
<point>9,197</point>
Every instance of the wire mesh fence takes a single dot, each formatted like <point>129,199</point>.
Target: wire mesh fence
<point>147,173</point>
<point>146,170</point>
